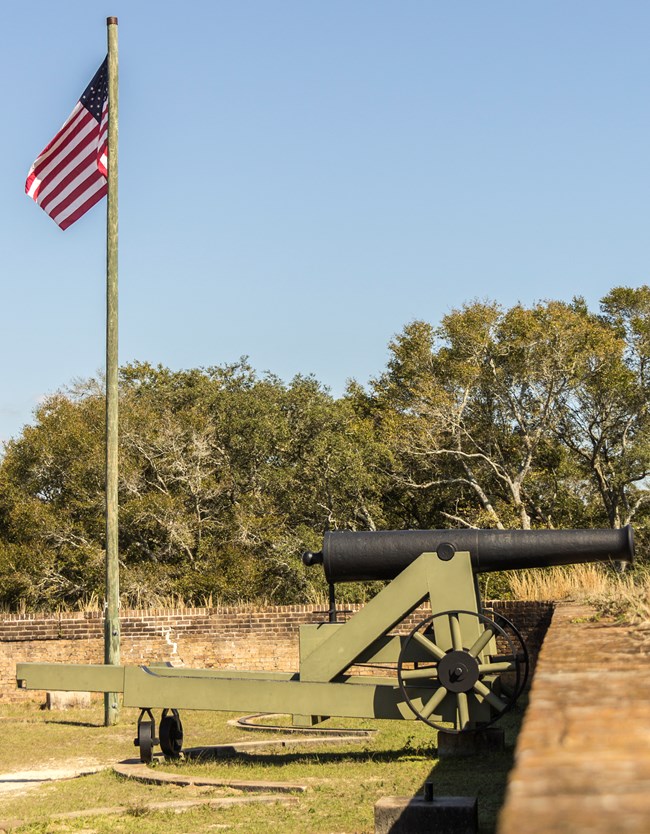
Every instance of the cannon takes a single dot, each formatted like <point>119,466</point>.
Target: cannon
<point>458,670</point>
<point>365,556</point>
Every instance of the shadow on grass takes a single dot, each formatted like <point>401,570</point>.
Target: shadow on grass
<point>275,758</point>
<point>70,723</point>
<point>483,775</point>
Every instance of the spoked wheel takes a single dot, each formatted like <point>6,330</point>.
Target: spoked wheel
<point>522,655</point>
<point>171,734</point>
<point>457,673</point>
<point>146,739</point>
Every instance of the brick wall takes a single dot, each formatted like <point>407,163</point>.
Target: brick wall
<point>582,762</point>
<point>237,637</point>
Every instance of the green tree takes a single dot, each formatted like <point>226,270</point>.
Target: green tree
<point>482,413</point>
<point>606,424</point>
<point>225,477</point>
<point>51,504</point>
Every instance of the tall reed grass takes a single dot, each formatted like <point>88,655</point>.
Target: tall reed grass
<point>624,596</point>
<point>573,582</point>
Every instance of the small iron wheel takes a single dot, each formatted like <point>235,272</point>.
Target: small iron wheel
<point>146,739</point>
<point>459,671</point>
<point>171,734</point>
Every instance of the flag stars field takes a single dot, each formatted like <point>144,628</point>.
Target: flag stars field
<point>69,176</point>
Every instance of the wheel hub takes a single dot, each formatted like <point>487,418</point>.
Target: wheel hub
<point>458,671</point>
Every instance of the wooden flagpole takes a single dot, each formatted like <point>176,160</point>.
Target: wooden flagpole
<point>111,613</point>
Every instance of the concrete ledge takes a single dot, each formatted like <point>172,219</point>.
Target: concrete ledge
<point>416,815</point>
<point>133,769</point>
<point>176,806</point>
<point>67,700</point>
<point>582,762</point>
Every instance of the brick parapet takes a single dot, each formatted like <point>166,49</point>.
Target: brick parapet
<point>582,762</point>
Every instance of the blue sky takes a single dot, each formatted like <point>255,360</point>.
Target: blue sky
<point>298,180</point>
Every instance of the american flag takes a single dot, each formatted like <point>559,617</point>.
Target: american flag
<point>70,174</point>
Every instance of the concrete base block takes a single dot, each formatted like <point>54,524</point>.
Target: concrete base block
<point>67,700</point>
<point>490,740</point>
<point>416,815</point>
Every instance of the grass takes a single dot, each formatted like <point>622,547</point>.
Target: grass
<point>344,781</point>
<point>149,600</point>
<point>629,602</point>
<point>622,596</point>
<point>578,583</point>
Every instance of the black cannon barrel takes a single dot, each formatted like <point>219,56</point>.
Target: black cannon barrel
<point>365,556</point>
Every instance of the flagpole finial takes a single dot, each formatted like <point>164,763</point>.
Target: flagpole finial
<point>111,21</point>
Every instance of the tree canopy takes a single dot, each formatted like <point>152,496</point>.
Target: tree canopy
<point>523,417</point>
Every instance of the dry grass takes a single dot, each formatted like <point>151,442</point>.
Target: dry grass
<point>148,602</point>
<point>580,583</point>
<point>626,596</point>
<point>628,601</point>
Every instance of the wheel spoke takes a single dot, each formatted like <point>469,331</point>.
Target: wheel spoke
<point>456,636</point>
<point>418,674</point>
<point>442,640</point>
<point>463,709</point>
<point>429,645</point>
<point>492,699</point>
<point>433,702</point>
<point>482,642</point>
<point>504,666</point>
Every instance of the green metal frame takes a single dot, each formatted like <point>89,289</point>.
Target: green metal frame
<point>323,686</point>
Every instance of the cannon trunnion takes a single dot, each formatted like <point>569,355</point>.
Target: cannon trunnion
<point>458,670</point>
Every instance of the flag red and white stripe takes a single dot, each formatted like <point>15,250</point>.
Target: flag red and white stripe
<point>70,174</point>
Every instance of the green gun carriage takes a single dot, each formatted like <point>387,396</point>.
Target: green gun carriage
<point>458,669</point>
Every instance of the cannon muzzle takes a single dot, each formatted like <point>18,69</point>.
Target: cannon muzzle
<point>352,557</point>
